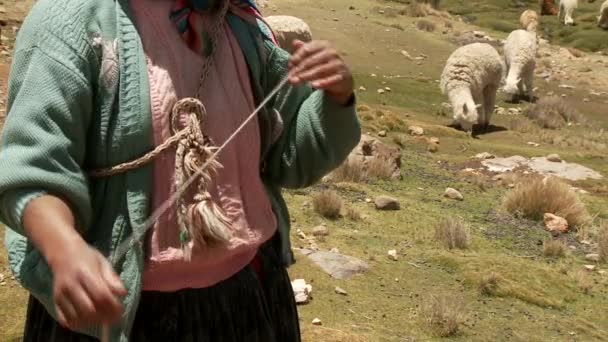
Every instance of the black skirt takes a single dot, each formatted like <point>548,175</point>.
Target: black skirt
<point>253,305</point>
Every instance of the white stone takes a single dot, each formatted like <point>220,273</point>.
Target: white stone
<point>317,321</point>
<point>392,254</point>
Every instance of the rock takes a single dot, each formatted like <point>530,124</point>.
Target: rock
<point>362,88</point>
<point>370,148</point>
<point>334,250</point>
<point>590,268</point>
<point>337,265</point>
<point>432,147</point>
<point>416,131</point>
<point>565,86</point>
<point>386,203</point>
<point>484,156</point>
<point>453,194</point>
<point>555,224</point>
<point>1,277</point>
<point>533,144</point>
<point>434,140</point>
<point>301,290</point>
<point>392,254</point>
<point>514,111</point>
<point>320,231</point>
<point>368,200</point>
<point>340,291</point>
<point>406,55</point>
<point>317,321</point>
<point>555,158</point>
<point>301,234</point>
<point>382,134</point>
<point>381,91</point>
<point>479,34</point>
<point>500,111</point>
<point>374,75</point>
<point>2,10</point>
<point>594,257</point>
<point>287,29</point>
<point>585,242</point>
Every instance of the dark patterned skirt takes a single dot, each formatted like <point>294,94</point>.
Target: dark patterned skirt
<point>255,305</point>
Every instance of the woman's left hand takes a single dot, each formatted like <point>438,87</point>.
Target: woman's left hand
<point>320,64</point>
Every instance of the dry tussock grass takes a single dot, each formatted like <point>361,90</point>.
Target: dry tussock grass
<point>602,241</point>
<point>328,204</point>
<point>453,233</point>
<point>379,169</point>
<point>553,112</point>
<point>537,196</point>
<point>554,248</point>
<point>444,314</point>
<point>488,285</point>
<point>584,281</point>
<point>426,25</point>
<point>421,9</point>
<point>352,170</point>
<point>353,214</point>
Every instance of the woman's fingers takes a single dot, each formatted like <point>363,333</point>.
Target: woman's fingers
<point>328,81</point>
<point>305,50</point>
<point>106,306</point>
<point>320,71</point>
<point>112,279</point>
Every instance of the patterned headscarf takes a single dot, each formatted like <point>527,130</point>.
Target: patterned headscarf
<point>184,15</point>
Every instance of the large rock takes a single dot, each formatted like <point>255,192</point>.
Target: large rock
<point>337,265</point>
<point>287,29</point>
<point>454,194</point>
<point>555,224</point>
<point>370,148</point>
<point>387,203</point>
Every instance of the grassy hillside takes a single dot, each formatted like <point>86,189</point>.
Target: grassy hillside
<point>501,287</point>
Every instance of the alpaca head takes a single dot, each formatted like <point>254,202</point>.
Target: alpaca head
<point>511,87</point>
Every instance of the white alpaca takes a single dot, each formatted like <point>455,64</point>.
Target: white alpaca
<point>529,20</point>
<point>520,60</point>
<point>602,20</point>
<point>470,79</point>
<point>567,7</point>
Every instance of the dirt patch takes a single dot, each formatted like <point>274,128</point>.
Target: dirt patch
<point>569,171</point>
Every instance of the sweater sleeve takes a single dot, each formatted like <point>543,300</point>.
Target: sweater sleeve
<point>318,133</point>
<point>43,141</point>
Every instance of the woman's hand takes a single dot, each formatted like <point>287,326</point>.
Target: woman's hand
<point>85,288</point>
<point>320,64</point>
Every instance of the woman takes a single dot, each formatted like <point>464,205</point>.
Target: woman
<point>97,84</point>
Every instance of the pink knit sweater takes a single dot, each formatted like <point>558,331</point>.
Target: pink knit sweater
<point>174,72</point>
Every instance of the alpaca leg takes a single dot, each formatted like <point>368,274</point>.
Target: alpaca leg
<point>489,102</point>
<point>529,83</point>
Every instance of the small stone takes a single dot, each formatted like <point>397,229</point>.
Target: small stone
<point>301,290</point>
<point>566,86</point>
<point>533,144</point>
<point>392,254</point>
<point>594,257</point>
<point>368,200</point>
<point>479,34</point>
<point>586,100</point>
<point>381,91</point>
<point>374,75</point>
<point>432,147</point>
<point>585,242</point>
<point>1,277</point>
<point>416,131</point>
<point>454,194</point>
<point>382,134</point>
<point>341,291</point>
<point>317,321</point>
<point>387,203</point>
<point>301,235</point>
<point>555,158</point>
<point>434,140</point>
<point>406,55</point>
<point>388,89</point>
<point>336,19</point>
<point>484,156</point>
<point>555,224</point>
<point>362,88</point>
<point>334,250</point>
<point>602,272</point>
<point>2,10</point>
<point>572,247</point>
<point>321,230</point>
<point>590,268</point>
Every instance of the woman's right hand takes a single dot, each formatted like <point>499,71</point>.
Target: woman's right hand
<point>86,289</point>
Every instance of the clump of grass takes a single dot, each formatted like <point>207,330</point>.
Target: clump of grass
<point>328,204</point>
<point>380,169</point>
<point>553,112</point>
<point>537,196</point>
<point>453,233</point>
<point>488,285</point>
<point>419,10</point>
<point>400,140</point>
<point>602,241</point>
<point>426,25</point>
<point>353,214</point>
<point>554,248</point>
<point>352,170</point>
<point>444,314</point>
<point>584,281</point>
